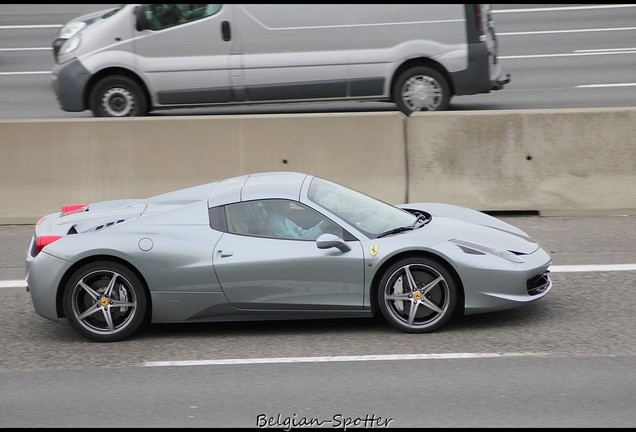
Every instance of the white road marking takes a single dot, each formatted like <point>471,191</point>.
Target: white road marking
<point>566,8</point>
<point>25,73</point>
<point>592,268</point>
<point>13,284</point>
<point>374,357</point>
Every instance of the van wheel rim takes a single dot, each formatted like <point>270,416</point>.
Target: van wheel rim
<point>118,102</point>
<point>422,93</point>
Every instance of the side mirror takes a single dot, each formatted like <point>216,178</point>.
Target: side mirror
<point>327,241</point>
<point>141,23</point>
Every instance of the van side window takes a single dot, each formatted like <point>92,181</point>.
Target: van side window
<point>164,15</point>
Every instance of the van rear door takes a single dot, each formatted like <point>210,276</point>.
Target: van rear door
<point>488,28</point>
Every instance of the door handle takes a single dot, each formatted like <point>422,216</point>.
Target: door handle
<point>224,254</point>
<point>225,31</point>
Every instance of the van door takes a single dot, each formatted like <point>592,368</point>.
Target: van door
<point>294,52</point>
<point>496,71</point>
<point>184,53</point>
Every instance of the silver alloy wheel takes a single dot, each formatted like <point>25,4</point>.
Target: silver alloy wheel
<point>417,296</point>
<point>422,92</point>
<point>118,102</point>
<point>104,302</point>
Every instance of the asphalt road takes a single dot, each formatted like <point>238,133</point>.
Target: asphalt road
<point>564,361</point>
<point>567,360</point>
<point>559,56</point>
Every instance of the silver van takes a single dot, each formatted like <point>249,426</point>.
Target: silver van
<point>137,58</point>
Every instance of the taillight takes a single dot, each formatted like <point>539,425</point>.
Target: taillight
<point>73,208</point>
<point>40,242</point>
<point>480,26</point>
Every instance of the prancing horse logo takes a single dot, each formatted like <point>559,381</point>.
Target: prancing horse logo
<point>373,250</point>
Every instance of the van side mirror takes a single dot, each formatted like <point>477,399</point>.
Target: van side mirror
<point>141,23</point>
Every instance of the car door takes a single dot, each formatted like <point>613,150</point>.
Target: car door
<point>186,60</point>
<point>283,274</point>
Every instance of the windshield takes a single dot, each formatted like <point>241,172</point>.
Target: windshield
<point>368,214</point>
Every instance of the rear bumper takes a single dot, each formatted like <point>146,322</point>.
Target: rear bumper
<point>500,81</point>
<point>44,274</point>
<point>483,74</point>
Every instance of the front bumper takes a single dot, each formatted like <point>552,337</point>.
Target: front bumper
<point>69,83</point>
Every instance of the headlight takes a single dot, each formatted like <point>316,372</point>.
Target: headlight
<point>470,247</point>
<point>71,29</point>
<point>70,45</point>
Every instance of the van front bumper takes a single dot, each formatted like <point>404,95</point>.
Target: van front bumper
<point>69,84</point>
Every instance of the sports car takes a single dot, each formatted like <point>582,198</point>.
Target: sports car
<point>277,245</point>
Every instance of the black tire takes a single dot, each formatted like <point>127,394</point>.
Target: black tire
<point>421,88</point>
<point>417,295</point>
<point>118,96</point>
<point>105,302</point>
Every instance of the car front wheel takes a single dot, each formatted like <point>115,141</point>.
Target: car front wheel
<point>417,295</point>
<point>105,302</point>
<point>118,96</point>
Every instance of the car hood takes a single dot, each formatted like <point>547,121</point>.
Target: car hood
<point>90,17</point>
<point>452,221</point>
<point>448,228</point>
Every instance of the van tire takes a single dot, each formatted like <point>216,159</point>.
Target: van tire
<point>421,88</point>
<point>118,96</point>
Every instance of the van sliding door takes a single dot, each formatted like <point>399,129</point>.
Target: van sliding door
<point>294,52</point>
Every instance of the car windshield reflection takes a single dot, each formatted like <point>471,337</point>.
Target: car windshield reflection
<point>367,214</point>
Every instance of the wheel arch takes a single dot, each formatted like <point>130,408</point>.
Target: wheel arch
<point>375,307</point>
<point>96,78</point>
<point>59,302</point>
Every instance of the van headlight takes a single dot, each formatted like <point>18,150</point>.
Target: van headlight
<point>70,45</point>
<point>71,29</point>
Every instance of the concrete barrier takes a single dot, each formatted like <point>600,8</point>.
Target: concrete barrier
<point>45,164</point>
<point>562,161</point>
<point>553,161</point>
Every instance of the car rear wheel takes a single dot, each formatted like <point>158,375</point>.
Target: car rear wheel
<point>105,302</point>
<point>421,88</point>
<point>118,96</point>
<point>417,295</point>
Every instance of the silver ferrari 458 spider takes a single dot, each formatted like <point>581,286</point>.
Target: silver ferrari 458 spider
<point>278,245</point>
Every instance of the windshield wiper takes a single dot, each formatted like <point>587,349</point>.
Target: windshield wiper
<point>396,230</point>
<point>420,221</point>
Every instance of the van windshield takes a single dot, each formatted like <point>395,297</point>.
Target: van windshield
<point>164,15</point>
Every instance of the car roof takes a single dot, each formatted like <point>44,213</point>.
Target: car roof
<point>279,184</point>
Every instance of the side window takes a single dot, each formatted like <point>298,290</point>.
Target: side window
<point>279,219</point>
<point>246,218</point>
<point>293,220</point>
<point>164,15</point>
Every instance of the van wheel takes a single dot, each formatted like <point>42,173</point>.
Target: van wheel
<point>118,96</point>
<point>421,89</point>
